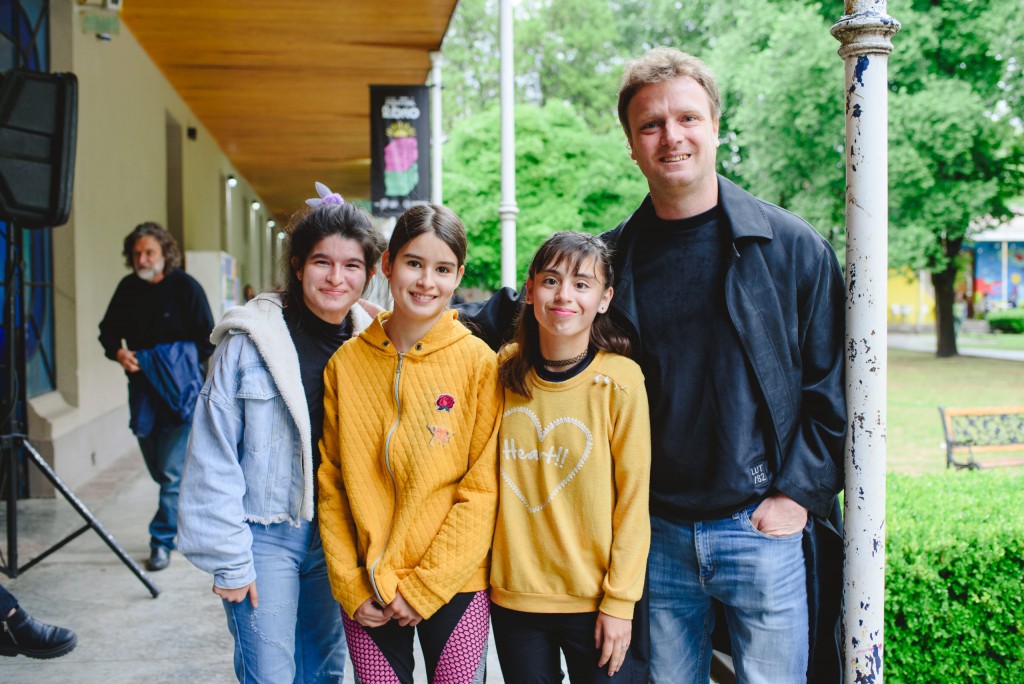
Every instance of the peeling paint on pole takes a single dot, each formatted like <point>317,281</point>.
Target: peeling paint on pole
<point>865,34</point>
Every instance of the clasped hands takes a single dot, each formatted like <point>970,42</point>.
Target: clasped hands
<point>370,613</point>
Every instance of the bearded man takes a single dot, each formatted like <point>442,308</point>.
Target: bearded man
<point>157,326</point>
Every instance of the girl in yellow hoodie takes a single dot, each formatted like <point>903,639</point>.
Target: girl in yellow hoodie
<point>573,530</point>
<point>408,477</point>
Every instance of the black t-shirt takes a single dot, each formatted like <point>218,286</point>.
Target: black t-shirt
<point>315,342</point>
<point>707,416</point>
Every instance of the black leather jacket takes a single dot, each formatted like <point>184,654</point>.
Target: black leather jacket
<point>784,292</point>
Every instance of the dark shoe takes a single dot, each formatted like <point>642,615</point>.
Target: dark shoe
<point>159,558</point>
<point>21,634</point>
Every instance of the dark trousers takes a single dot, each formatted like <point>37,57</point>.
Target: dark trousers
<point>529,643</point>
<point>164,454</point>
<point>7,602</point>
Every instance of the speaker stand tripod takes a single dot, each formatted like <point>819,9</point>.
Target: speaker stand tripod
<point>13,442</point>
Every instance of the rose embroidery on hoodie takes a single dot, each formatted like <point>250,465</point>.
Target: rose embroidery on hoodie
<point>445,402</point>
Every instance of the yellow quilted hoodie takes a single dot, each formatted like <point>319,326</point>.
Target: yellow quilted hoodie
<point>408,475</point>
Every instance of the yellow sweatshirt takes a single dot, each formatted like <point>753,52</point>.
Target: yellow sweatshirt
<point>408,479</point>
<point>573,526</point>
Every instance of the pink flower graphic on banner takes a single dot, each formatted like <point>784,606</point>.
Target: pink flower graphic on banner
<point>401,154</point>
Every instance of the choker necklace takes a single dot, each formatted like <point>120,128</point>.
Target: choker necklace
<point>562,363</point>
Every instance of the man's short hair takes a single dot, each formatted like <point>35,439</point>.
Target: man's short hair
<point>169,246</point>
<point>663,64</point>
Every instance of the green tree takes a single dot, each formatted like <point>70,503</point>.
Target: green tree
<point>783,124</point>
<point>567,178</point>
<point>471,60</point>
<point>956,149</point>
<point>569,47</point>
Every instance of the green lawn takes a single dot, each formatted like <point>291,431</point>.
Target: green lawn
<point>920,382</point>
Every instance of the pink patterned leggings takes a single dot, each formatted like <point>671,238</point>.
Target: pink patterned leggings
<point>454,643</point>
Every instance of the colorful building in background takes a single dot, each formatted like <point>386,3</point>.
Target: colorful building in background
<point>911,299</point>
<point>993,278</point>
<point>999,267</point>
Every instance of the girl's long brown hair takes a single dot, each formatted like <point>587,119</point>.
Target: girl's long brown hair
<point>573,249</point>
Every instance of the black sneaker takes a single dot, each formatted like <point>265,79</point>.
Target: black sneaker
<point>21,634</point>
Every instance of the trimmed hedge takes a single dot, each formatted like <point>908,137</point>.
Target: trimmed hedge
<point>1006,320</point>
<point>955,578</point>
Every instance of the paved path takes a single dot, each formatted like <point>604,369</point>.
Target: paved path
<point>925,342</point>
<point>124,635</point>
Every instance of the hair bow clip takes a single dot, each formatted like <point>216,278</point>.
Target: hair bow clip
<point>326,196</point>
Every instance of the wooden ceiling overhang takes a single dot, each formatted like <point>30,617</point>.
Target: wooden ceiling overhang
<point>283,86</point>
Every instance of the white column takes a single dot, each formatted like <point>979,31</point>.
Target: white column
<point>436,139</point>
<point>507,210</point>
<point>865,33</point>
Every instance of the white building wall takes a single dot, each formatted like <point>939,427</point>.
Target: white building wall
<point>120,181</point>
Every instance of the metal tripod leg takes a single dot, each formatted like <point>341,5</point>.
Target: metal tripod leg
<point>90,520</point>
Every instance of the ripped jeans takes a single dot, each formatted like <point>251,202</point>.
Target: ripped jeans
<point>296,633</point>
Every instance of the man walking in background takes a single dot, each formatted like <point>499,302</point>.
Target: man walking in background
<point>157,326</point>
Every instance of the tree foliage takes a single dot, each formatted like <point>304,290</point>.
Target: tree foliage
<point>956,149</point>
<point>955,130</point>
<point>567,178</point>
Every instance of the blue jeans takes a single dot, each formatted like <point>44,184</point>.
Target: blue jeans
<point>164,453</point>
<point>760,582</point>
<point>296,634</point>
<point>7,602</point>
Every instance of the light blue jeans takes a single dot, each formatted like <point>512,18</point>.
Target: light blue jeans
<point>164,454</point>
<point>296,634</point>
<point>761,583</point>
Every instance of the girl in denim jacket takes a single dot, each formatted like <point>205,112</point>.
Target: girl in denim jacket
<point>247,515</point>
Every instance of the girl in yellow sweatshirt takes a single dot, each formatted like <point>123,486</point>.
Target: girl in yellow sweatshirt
<point>573,530</point>
<point>408,477</point>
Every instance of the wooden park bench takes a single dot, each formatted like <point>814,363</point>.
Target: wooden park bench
<point>973,431</point>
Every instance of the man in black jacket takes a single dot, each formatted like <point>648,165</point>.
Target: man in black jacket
<point>736,311</point>
<point>157,304</point>
<point>737,308</point>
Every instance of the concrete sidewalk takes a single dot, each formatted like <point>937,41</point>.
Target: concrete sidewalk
<point>124,635</point>
<point>925,342</point>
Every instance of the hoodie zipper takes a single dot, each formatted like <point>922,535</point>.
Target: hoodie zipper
<point>394,483</point>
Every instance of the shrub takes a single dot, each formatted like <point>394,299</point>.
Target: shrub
<point>955,563</point>
<point>1007,320</point>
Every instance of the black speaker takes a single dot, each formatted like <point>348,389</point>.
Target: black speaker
<point>38,125</point>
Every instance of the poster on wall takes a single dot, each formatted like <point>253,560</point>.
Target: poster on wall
<point>399,148</point>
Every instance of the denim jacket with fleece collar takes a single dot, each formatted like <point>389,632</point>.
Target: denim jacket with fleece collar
<point>249,457</point>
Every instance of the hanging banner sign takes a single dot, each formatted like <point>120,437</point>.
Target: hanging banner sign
<point>399,148</point>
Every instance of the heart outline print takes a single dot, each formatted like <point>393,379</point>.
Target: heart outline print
<point>541,434</point>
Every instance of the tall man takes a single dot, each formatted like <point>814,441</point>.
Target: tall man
<point>737,309</point>
<point>157,326</point>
